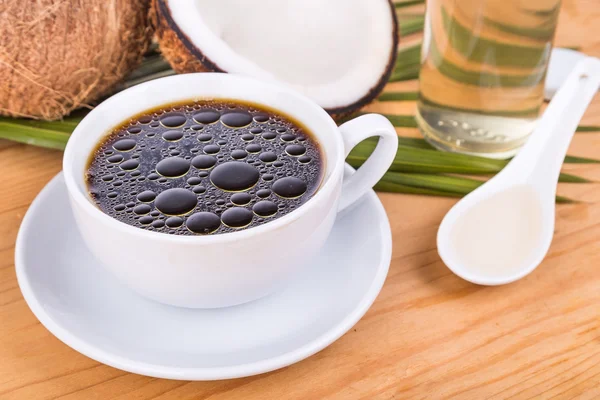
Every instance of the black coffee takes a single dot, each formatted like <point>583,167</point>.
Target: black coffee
<point>204,167</point>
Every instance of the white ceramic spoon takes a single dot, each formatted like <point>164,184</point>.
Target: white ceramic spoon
<point>562,62</point>
<point>502,231</point>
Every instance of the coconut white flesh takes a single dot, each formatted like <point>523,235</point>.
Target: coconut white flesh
<point>333,51</point>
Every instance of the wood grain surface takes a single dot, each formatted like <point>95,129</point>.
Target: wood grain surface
<point>428,335</point>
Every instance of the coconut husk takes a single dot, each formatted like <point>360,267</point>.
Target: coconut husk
<point>175,47</point>
<point>185,57</point>
<point>57,55</point>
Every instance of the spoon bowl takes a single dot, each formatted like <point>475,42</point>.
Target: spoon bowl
<point>495,248</point>
<point>502,231</point>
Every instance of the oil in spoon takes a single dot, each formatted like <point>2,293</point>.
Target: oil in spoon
<point>499,236</point>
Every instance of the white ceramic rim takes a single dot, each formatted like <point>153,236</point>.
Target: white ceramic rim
<point>218,373</point>
<point>86,203</point>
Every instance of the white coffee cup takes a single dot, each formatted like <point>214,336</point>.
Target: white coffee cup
<point>231,268</point>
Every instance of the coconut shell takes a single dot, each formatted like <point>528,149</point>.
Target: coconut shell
<point>185,57</point>
<point>57,55</point>
<point>175,46</point>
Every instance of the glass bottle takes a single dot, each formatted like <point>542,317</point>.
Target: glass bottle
<point>482,73</point>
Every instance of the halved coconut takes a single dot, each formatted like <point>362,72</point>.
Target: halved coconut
<point>340,53</point>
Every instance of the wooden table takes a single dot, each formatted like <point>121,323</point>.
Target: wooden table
<point>428,335</point>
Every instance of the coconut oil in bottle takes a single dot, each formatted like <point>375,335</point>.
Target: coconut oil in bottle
<point>482,73</point>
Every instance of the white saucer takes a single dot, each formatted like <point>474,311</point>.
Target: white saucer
<point>86,308</point>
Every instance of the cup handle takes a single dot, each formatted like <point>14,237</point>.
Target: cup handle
<point>354,132</point>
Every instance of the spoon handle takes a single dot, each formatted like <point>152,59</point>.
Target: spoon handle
<point>541,158</point>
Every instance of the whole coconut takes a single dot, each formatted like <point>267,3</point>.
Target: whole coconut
<point>59,55</point>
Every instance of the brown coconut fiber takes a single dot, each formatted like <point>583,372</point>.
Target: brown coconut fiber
<point>56,56</point>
